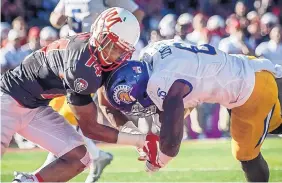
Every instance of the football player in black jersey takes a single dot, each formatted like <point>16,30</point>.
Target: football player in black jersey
<point>75,66</point>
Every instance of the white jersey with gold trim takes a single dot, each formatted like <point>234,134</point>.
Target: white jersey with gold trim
<point>212,75</point>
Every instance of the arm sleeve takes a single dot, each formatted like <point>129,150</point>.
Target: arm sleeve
<point>78,99</point>
<point>130,5</point>
<point>60,8</point>
<point>80,81</point>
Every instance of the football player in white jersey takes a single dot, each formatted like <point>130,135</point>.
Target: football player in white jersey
<point>181,76</point>
<point>80,14</point>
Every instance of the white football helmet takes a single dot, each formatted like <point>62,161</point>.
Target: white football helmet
<point>118,27</point>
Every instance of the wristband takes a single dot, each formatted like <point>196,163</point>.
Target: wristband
<point>129,127</point>
<point>137,140</point>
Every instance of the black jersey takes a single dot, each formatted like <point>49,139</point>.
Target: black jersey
<point>64,66</point>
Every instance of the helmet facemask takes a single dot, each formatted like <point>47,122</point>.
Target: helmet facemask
<point>112,51</point>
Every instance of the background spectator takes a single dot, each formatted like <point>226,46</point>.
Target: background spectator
<point>33,40</point>
<point>268,21</point>
<point>10,9</point>
<point>216,28</point>
<point>20,26</point>
<point>183,26</point>
<point>272,49</point>
<point>5,28</point>
<point>240,13</point>
<point>48,35</point>
<point>167,25</point>
<point>236,43</point>
<point>199,24</point>
<point>12,54</point>
<point>255,37</point>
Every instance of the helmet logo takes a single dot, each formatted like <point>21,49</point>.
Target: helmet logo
<point>122,94</point>
<point>112,18</point>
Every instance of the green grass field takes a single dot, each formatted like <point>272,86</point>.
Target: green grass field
<point>198,161</point>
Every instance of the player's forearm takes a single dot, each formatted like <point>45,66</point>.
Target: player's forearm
<point>101,133</point>
<point>172,126</point>
<point>116,118</point>
<point>110,135</point>
<point>86,116</point>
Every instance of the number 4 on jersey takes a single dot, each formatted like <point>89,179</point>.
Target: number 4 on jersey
<point>92,62</point>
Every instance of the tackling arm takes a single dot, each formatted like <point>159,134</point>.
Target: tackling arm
<point>85,112</point>
<point>86,116</point>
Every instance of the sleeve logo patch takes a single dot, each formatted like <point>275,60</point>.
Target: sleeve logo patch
<point>80,85</point>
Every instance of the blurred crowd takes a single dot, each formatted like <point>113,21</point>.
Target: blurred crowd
<point>250,27</point>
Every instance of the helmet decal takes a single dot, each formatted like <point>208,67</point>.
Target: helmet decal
<point>122,94</point>
<point>112,18</point>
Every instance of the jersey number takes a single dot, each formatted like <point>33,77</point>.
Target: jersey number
<point>205,48</point>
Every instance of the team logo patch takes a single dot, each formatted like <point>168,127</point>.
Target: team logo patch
<point>80,85</point>
<point>122,94</point>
